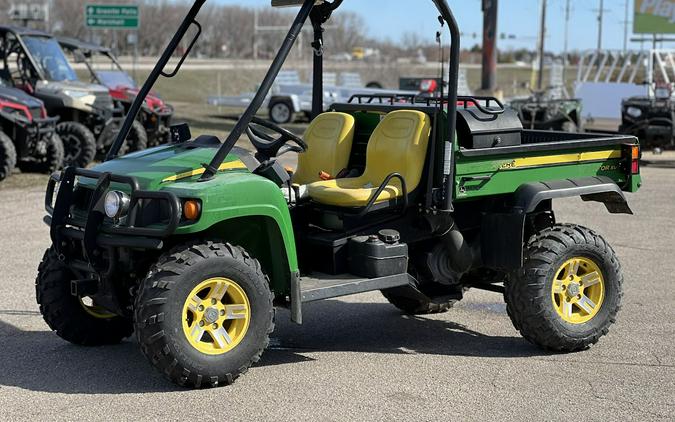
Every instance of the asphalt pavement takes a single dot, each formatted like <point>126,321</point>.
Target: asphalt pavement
<point>358,358</point>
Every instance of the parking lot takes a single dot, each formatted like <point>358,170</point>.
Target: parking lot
<point>358,358</point>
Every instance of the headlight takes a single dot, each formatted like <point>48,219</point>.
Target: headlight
<point>634,112</point>
<point>116,204</point>
<point>76,94</point>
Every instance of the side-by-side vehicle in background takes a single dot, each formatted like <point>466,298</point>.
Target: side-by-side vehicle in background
<point>34,62</point>
<point>154,120</point>
<point>192,245</point>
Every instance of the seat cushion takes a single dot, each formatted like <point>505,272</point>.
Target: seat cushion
<point>398,145</point>
<point>351,192</point>
<point>329,138</point>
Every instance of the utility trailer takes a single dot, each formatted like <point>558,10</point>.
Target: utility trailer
<point>192,245</point>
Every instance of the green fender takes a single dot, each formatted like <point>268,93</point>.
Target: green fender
<point>249,211</point>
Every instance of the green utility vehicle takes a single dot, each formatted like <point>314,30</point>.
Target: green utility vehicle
<point>192,245</point>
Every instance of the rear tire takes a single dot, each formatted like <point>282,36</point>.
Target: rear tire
<point>191,333</point>
<point>66,314</point>
<point>413,306</point>
<point>50,162</point>
<point>7,156</point>
<point>79,144</point>
<point>557,316</point>
<point>440,297</point>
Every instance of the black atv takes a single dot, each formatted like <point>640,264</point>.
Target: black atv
<point>650,118</point>
<point>27,136</point>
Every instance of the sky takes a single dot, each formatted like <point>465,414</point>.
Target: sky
<point>391,18</point>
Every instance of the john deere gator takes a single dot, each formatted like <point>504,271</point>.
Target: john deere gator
<point>193,245</point>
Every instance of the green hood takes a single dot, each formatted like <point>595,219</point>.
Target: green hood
<point>158,167</point>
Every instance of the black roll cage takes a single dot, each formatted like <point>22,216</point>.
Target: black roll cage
<point>318,14</point>
<point>18,35</point>
<point>87,51</point>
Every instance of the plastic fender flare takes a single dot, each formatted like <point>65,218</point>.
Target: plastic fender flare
<point>596,188</point>
<point>503,233</point>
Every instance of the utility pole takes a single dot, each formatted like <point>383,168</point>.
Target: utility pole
<point>567,32</point>
<point>489,73</point>
<point>601,13</point>
<point>625,28</point>
<point>541,47</point>
<point>255,34</point>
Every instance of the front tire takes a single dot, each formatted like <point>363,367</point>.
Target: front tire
<point>7,156</point>
<point>570,127</point>
<point>204,314</point>
<point>137,139</point>
<point>72,318</point>
<point>79,144</point>
<point>568,292</point>
<point>50,162</point>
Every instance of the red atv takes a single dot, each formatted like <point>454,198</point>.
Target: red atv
<point>28,138</point>
<point>106,70</point>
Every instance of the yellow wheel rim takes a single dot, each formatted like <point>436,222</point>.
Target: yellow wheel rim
<point>94,310</point>
<point>216,316</point>
<point>578,290</point>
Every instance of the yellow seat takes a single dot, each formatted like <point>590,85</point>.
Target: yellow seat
<point>329,137</point>
<point>398,145</point>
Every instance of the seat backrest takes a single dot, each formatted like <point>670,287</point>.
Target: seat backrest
<point>329,137</point>
<point>398,145</point>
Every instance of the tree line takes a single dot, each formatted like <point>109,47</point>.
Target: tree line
<point>229,31</point>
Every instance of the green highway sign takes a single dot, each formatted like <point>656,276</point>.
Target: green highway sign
<point>111,16</point>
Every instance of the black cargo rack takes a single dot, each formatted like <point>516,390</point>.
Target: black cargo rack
<point>480,102</point>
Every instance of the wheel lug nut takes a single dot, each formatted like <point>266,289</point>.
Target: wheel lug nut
<point>215,326</point>
<point>222,312</point>
<point>201,308</point>
<point>201,323</point>
<point>213,301</point>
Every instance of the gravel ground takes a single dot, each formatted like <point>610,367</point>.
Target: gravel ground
<point>357,358</point>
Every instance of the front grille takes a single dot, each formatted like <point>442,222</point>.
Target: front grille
<point>104,101</point>
<point>82,198</point>
<point>36,113</point>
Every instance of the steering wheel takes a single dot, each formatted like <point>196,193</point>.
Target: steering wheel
<point>269,146</point>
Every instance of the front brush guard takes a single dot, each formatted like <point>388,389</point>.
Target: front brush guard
<point>95,235</point>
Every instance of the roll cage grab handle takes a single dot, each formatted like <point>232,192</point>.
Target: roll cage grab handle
<point>320,14</point>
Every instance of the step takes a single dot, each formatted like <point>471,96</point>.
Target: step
<point>319,286</point>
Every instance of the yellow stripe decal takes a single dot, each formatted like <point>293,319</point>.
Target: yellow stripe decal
<point>562,159</point>
<point>232,165</point>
